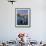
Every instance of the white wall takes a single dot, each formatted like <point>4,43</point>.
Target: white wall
<point>8,31</point>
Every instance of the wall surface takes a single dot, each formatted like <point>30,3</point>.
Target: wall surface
<point>37,31</point>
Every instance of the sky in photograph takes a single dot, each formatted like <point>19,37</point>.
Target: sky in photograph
<point>22,11</point>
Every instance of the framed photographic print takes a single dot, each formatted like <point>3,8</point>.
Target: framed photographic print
<point>22,17</point>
